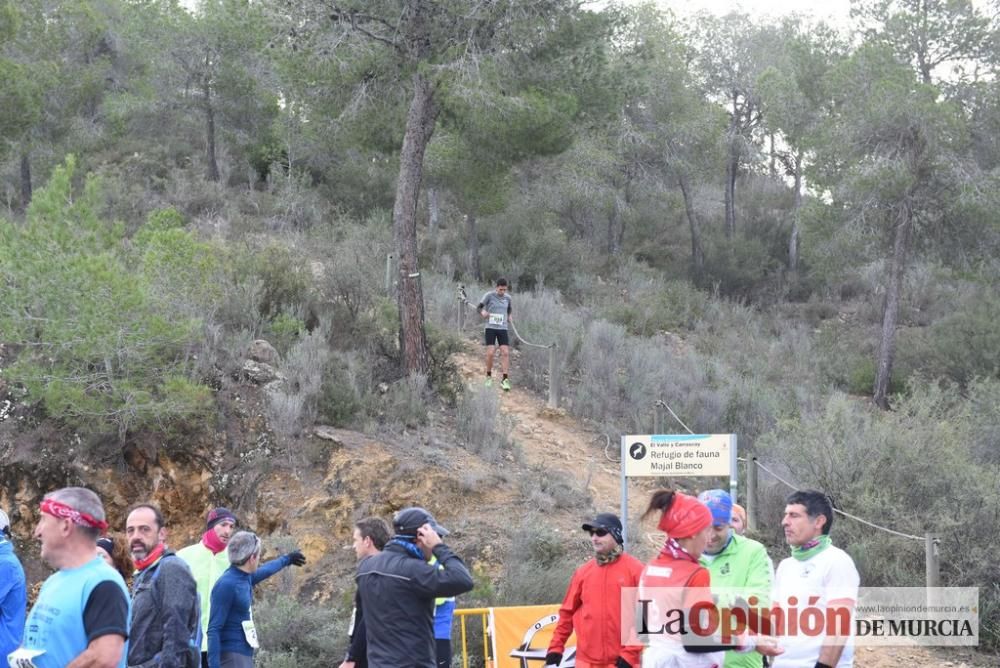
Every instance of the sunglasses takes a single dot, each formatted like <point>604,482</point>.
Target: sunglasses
<point>600,533</point>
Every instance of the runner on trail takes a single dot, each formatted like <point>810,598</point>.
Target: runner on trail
<point>495,308</point>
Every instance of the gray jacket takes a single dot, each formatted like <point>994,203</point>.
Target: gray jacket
<point>397,591</point>
<point>165,616</point>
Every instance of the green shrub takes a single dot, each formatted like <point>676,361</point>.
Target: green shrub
<point>481,426</point>
<point>347,397</point>
<point>966,343</point>
<point>292,403</point>
<point>740,267</point>
<point>98,339</point>
<point>404,405</point>
<point>298,634</point>
<point>283,330</point>
<point>537,567</point>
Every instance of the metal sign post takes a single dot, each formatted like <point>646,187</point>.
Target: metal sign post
<point>675,456</point>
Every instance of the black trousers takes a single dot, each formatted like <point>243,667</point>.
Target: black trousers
<point>443,648</point>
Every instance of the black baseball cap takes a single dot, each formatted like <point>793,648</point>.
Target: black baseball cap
<point>607,521</point>
<point>408,520</point>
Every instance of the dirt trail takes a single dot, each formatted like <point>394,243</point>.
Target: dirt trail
<point>556,440</point>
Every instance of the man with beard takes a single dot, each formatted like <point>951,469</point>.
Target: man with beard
<point>164,597</point>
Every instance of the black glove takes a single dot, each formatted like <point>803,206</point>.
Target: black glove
<point>553,658</point>
<point>622,663</point>
<point>297,558</point>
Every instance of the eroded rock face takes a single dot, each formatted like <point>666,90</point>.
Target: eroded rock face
<point>262,351</point>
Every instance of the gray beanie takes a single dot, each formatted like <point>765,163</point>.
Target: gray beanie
<point>242,546</point>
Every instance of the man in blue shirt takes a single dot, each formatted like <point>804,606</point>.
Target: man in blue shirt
<point>232,636</point>
<point>82,613</point>
<point>13,593</point>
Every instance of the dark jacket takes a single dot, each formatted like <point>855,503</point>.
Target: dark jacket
<point>357,650</point>
<point>232,597</point>
<point>397,590</point>
<point>165,615</point>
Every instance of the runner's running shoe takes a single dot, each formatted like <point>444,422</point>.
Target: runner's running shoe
<point>505,384</point>
<point>489,381</point>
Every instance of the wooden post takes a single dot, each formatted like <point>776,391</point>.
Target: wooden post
<point>751,499</point>
<point>461,315</point>
<point>553,377</point>
<point>656,417</point>
<point>933,566</point>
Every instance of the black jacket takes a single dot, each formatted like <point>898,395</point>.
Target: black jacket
<point>357,650</point>
<point>397,591</point>
<point>165,616</point>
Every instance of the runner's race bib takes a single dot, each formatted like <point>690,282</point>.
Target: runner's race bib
<point>250,631</point>
<point>497,318</point>
<point>23,658</point>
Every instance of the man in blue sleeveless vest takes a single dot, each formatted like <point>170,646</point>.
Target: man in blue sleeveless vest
<point>82,613</point>
<point>166,629</point>
<point>13,592</point>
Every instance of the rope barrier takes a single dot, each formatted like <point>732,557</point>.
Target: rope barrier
<point>661,402</point>
<point>841,512</point>
<point>463,297</point>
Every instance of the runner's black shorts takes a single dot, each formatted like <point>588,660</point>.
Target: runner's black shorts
<point>496,336</point>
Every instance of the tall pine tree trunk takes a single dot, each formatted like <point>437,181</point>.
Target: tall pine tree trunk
<point>420,120</point>
<point>472,246</point>
<point>213,165</point>
<point>890,311</point>
<point>732,167</point>
<point>697,250</point>
<point>25,179</point>
<point>793,238</point>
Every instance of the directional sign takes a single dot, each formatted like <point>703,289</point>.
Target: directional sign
<point>689,455</point>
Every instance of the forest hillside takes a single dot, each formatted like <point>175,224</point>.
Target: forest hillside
<point>237,239</point>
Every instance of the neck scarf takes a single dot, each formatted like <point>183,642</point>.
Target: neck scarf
<point>610,557</point>
<point>673,549</point>
<point>812,548</point>
<point>151,558</point>
<point>407,544</point>
<point>212,541</point>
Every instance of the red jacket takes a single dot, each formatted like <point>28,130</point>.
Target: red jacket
<point>593,608</point>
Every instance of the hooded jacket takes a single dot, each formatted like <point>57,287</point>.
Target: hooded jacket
<point>397,589</point>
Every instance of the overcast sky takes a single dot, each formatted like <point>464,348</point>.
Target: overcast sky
<point>833,11</point>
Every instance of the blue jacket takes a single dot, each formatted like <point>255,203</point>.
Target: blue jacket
<point>230,607</point>
<point>13,600</point>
